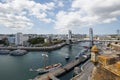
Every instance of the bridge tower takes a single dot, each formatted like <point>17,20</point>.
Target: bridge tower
<point>91,36</point>
<point>69,40</point>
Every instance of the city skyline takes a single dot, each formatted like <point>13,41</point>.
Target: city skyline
<point>57,17</point>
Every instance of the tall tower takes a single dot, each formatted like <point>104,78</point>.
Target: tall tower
<point>69,37</point>
<point>69,34</point>
<point>91,36</point>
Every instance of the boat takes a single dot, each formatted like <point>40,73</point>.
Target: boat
<point>4,52</point>
<point>18,52</point>
<point>48,68</point>
<point>86,47</point>
<point>77,56</point>
<point>67,57</point>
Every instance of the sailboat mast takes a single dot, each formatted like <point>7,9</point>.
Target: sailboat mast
<point>44,59</point>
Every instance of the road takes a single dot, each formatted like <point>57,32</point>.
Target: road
<point>85,74</point>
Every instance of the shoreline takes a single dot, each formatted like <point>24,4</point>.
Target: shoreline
<point>47,48</point>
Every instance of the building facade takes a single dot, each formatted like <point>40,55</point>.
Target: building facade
<point>19,39</point>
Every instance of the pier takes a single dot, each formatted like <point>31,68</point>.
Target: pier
<point>53,74</point>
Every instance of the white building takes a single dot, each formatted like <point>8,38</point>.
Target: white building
<point>25,39</point>
<point>19,39</point>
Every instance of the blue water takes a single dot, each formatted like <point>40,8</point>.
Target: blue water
<point>17,68</point>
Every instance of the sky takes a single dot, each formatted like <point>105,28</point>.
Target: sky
<point>59,16</point>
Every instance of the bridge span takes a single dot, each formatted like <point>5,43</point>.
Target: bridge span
<point>98,41</point>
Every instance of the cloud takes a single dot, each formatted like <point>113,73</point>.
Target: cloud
<point>12,21</point>
<point>60,4</point>
<point>87,13</point>
<point>17,13</point>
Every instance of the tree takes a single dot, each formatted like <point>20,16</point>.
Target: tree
<point>37,40</point>
<point>4,41</point>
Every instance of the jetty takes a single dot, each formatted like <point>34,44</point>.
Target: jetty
<point>52,75</point>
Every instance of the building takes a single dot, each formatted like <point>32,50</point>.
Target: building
<point>2,36</point>
<point>25,40</point>
<point>19,39</point>
<point>11,39</point>
<point>107,65</point>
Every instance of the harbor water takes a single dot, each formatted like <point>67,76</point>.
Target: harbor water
<point>17,68</point>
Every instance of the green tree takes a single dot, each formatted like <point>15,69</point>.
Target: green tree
<point>37,40</point>
<point>4,41</point>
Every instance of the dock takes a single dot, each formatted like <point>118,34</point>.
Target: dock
<point>53,74</point>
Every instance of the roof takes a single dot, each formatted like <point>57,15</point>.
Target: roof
<point>94,49</point>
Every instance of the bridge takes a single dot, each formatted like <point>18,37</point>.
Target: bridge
<point>97,41</point>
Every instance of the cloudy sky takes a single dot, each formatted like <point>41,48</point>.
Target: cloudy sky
<point>59,16</point>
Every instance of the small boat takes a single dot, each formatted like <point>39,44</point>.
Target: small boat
<point>86,47</point>
<point>18,52</point>
<point>67,57</point>
<point>77,56</point>
<point>85,56</point>
<point>4,52</point>
<point>48,68</point>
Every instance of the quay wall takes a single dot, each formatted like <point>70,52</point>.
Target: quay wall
<point>47,48</point>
